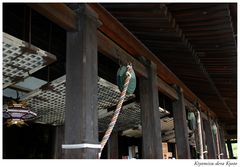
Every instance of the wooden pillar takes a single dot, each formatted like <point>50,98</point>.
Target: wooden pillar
<point>81,119</point>
<point>222,143</point>
<point>151,128</point>
<point>180,126</point>
<point>58,138</point>
<point>215,139</point>
<point>217,136</point>
<point>113,146</point>
<point>204,142</point>
<point>230,151</point>
<point>209,140</point>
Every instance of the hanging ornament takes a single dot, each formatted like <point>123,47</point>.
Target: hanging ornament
<point>191,121</point>
<point>214,129</point>
<point>17,114</point>
<point>121,76</point>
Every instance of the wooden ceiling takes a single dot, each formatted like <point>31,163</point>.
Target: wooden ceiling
<point>196,41</point>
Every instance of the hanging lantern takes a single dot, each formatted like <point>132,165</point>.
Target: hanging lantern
<point>121,76</point>
<point>191,121</point>
<point>17,114</point>
<point>214,129</point>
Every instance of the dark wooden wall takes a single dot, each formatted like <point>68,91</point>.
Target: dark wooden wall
<point>27,142</point>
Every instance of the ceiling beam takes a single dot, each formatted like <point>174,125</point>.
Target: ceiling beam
<point>66,18</point>
<point>195,54</point>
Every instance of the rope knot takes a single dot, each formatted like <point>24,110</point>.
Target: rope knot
<point>129,70</point>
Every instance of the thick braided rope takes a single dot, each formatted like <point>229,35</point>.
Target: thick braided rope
<point>117,111</point>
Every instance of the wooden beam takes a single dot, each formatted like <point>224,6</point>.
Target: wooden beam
<point>204,116</point>
<point>231,136</point>
<point>113,146</point>
<point>151,128</point>
<point>81,116</point>
<point>58,13</point>
<point>110,49</point>
<point>166,89</point>
<point>66,18</point>
<point>180,126</point>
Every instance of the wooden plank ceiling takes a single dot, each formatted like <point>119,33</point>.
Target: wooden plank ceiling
<point>196,41</point>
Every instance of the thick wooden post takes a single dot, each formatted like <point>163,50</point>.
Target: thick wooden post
<point>151,128</point>
<point>180,126</point>
<point>81,119</point>
<point>209,140</point>
<point>230,150</point>
<point>219,153</point>
<point>222,143</point>
<point>113,146</point>
<point>58,139</point>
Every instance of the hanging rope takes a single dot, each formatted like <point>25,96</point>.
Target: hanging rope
<point>118,109</point>
<point>200,135</point>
